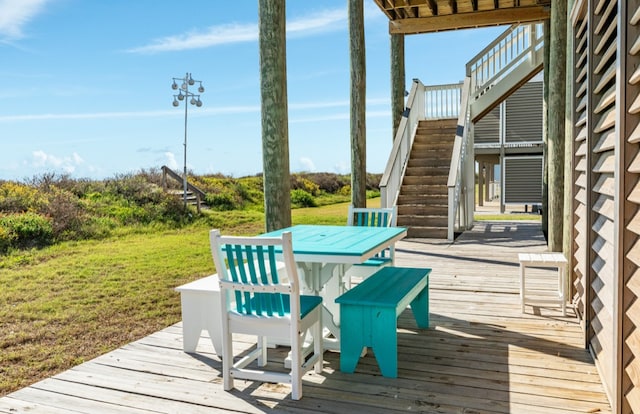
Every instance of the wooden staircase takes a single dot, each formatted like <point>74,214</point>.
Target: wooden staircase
<point>422,202</point>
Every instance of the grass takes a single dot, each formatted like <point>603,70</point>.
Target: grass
<point>63,305</point>
<point>66,304</point>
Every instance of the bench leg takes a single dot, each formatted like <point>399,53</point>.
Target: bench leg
<point>352,340</point>
<point>420,308</point>
<point>385,341</point>
<point>191,323</point>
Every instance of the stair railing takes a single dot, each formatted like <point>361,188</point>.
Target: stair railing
<point>166,171</point>
<point>460,186</point>
<point>442,101</point>
<point>517,43</point>
<point>402,143</point>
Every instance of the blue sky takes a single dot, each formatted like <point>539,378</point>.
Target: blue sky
<point>86,85</point>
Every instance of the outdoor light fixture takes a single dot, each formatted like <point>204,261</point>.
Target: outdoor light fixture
<point>184,95</point>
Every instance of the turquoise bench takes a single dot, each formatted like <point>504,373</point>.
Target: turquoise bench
<point>369,315</point>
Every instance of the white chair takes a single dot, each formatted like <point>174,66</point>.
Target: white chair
<point>265,306</point>
<point>372,217</point>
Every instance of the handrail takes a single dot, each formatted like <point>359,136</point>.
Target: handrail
<point>514,45</point>
<point>200,195</point>
<point>458,162</point>
<point>397,163</point>
<point>442,101</point>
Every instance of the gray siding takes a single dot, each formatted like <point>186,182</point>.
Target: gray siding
<point>523,180</point>
<point>487,130</point>
<point>524,114</point>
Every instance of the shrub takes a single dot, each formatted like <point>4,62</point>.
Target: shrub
<point>25,230</point>
<point>66,213</point>
<point>221,201</point>
<point>345,190</point>
<point>301,198</point>
<point>302,183</point>
<point>19,198</point>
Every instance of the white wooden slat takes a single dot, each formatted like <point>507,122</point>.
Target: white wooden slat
<point>605,185</point>
<point>607,98</point>
<point>580,77</point>
<point>606,163</point>
<point>582,165</point>
<point>634,195</point>
<point>634,108</point>
<point>581,60</point>
<point>635,47</point>
<point>604,16</point>
<point>582,135</point>
<point>606,56</point>
<point>634,223</point>
<point>606,37</point>
<point>581,196</point>
<point>607,77</point>
<point>634,166</point>
<point>582,105</point>
<point>634,137</point>
<point>635,19</point>
<point>605,207</point>
<point>607,120</point>
<point>635,76</point>
<point>581,151</point>
<point>606,142</point>
<point>582,88</point>
<point>604,228</point>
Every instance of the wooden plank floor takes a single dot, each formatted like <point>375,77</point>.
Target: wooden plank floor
<point>480,355</point>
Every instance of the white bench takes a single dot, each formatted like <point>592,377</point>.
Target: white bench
<point>200,301</point>
<point>553,260</point>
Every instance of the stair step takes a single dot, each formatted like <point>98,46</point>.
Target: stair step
<point>429,190</point>
<point>444,162</point>
<point>427,171</point>
<point>424,232</point>
<point>422,210</point>
<point>423,199</point>
<point>421,221</point>
<point>416,178</point>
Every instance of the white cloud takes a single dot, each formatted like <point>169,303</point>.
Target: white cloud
<point>342,167</point>
<point>171,160</point>
<point>16,14</point>
<point>68,164</point>
<point>323,21</point>
<point>307,164</point>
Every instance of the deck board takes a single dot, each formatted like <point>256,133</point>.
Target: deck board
<point>481,354</point>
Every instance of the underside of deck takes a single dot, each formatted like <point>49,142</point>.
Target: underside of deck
<point>481,354</point>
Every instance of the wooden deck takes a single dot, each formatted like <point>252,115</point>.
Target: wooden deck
<point>480,355</point>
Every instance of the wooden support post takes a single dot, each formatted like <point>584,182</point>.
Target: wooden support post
<point>488,169</point>
<point>567,240</point>
<point>545,131</point>
<point>358,104</point>
<point>556,117</point>
<point>398,82</point>
<point>480,183</point>
<point>275,132</point>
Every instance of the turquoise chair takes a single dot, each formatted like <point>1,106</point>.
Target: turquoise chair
<point>372,217</point>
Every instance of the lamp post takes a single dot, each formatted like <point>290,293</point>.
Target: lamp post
<point>189,97</point>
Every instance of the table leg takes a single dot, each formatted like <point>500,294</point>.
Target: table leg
<point>326,280</point>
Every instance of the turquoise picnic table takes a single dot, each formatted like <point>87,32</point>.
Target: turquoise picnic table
<point>323,253</point>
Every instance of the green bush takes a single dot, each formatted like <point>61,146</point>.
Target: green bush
<point>301,198</point>
<point>221,201</point>
<point>25,230</point>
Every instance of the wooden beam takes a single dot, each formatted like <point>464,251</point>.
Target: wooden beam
<point>468,20</point>
<point>388,12</point>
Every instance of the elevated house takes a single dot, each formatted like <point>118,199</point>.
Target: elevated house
<point>596,166</point>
